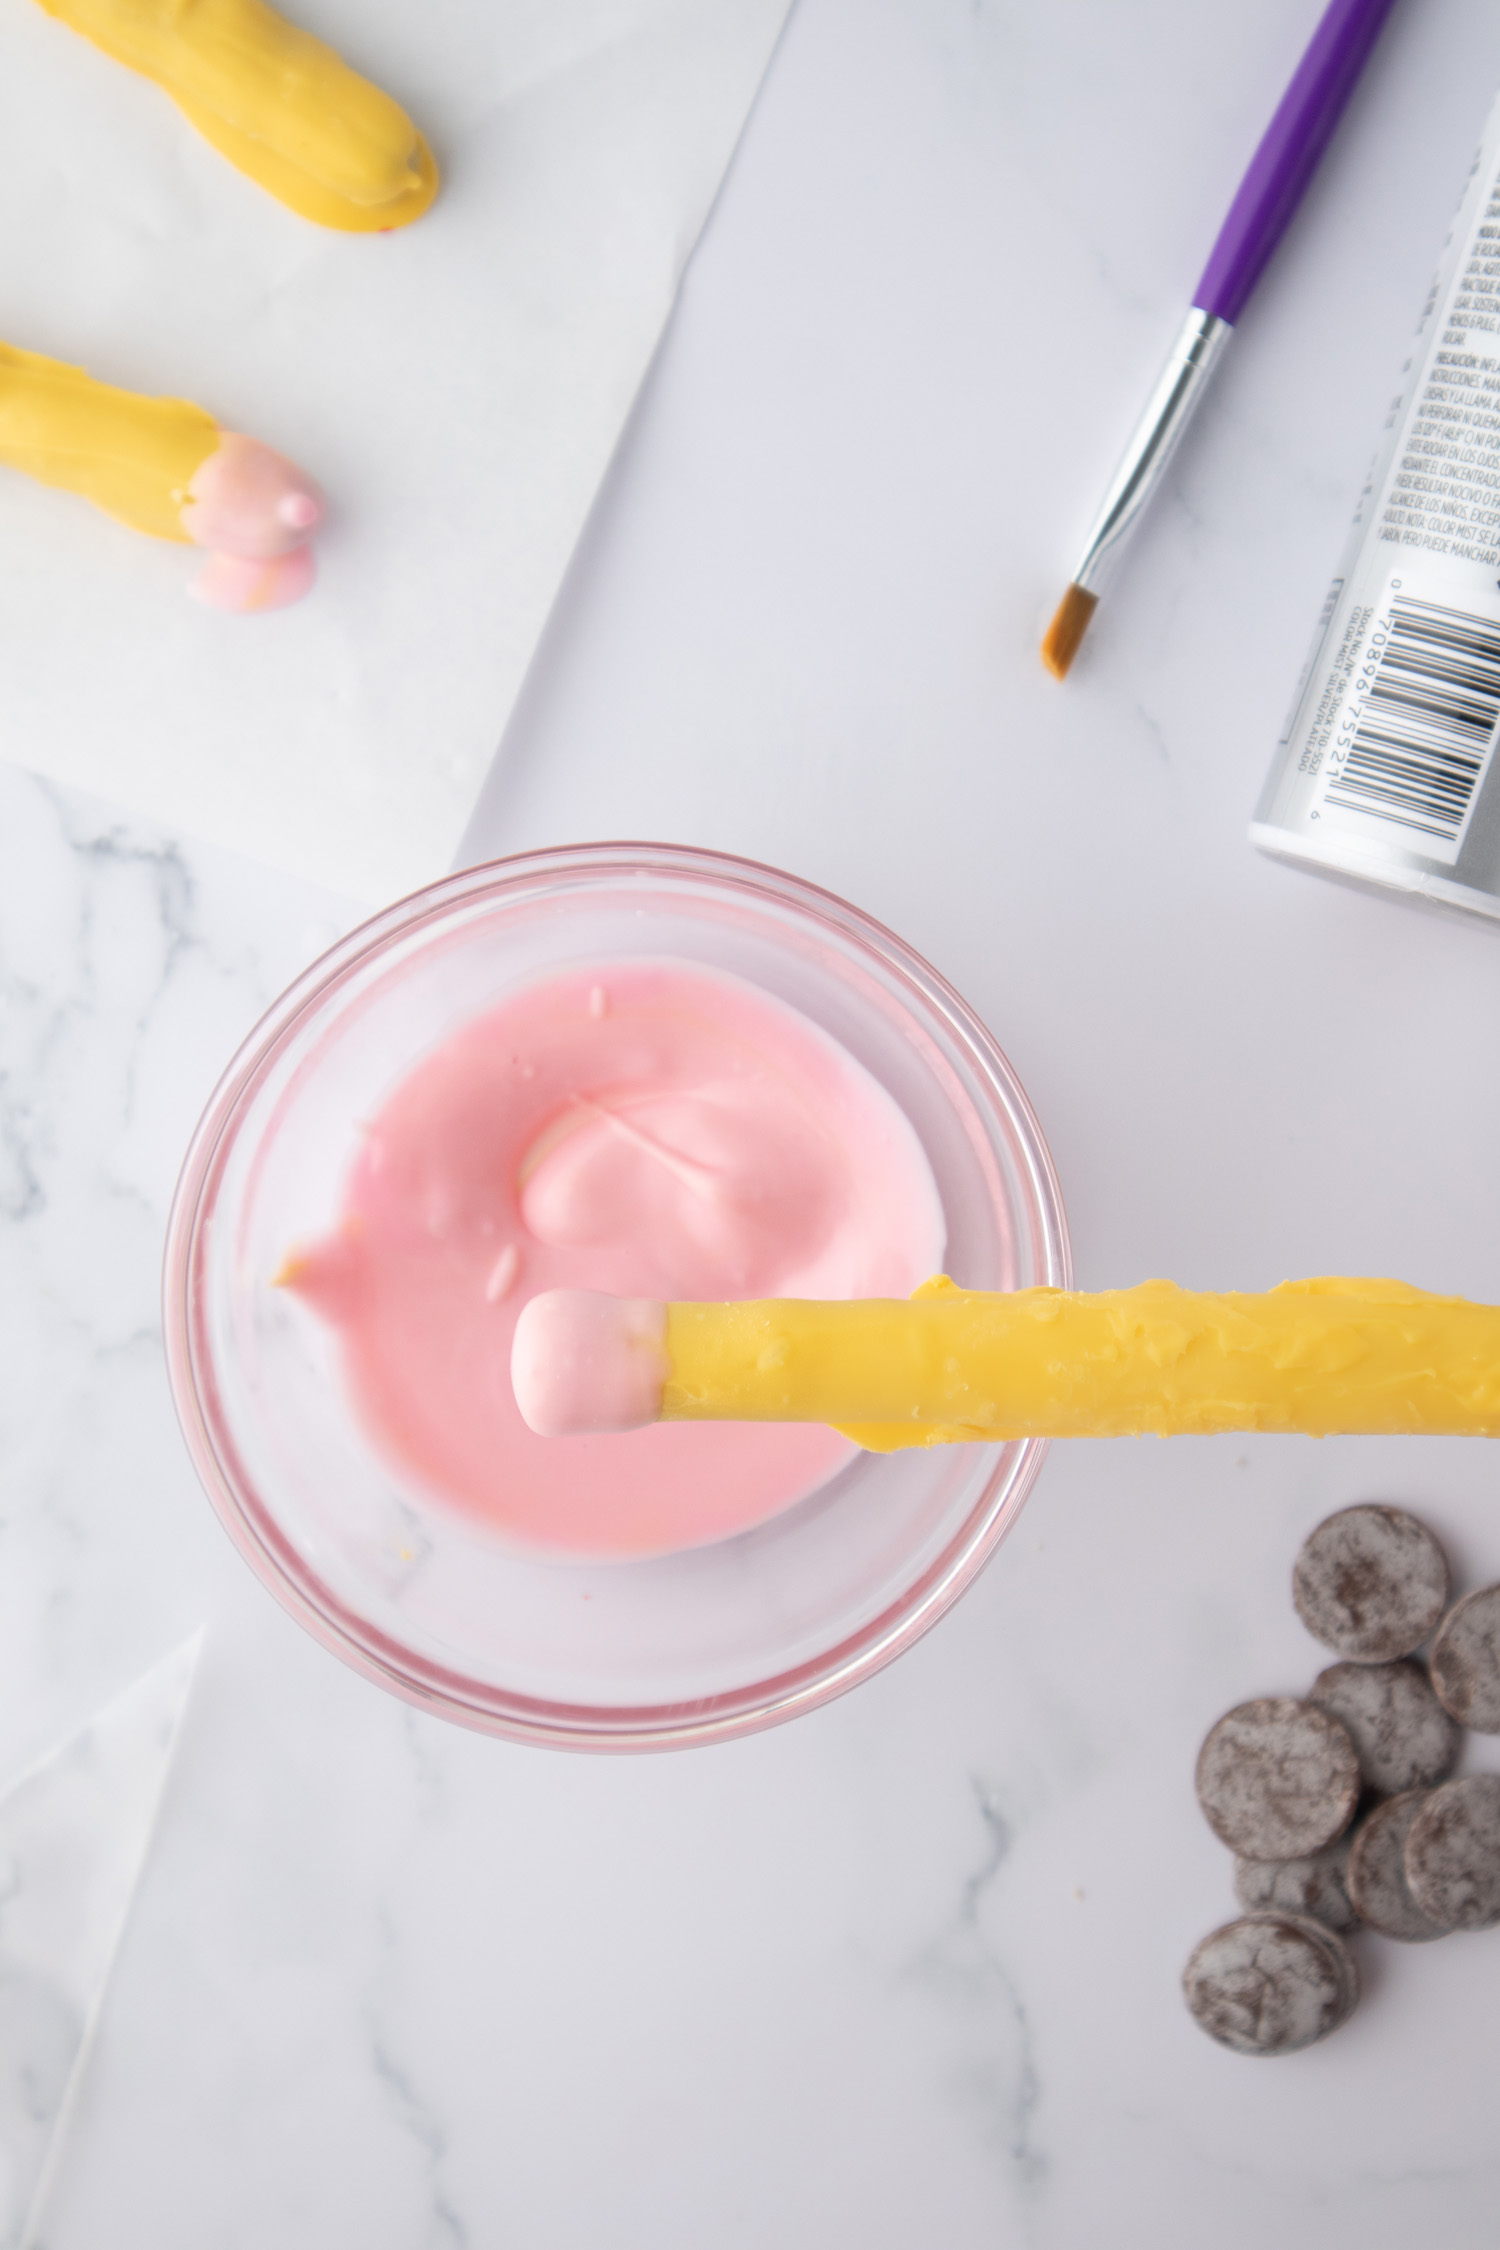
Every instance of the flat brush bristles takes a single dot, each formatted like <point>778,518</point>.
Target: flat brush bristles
<point>1065,633</point>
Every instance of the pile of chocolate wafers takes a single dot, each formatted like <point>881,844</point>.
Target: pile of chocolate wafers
<point>1338,1808</point>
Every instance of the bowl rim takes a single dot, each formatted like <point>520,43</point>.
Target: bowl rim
<point>658,1726</point>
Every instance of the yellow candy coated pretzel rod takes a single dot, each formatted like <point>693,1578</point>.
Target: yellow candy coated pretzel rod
<point>164,466</point>
<point>275,101</point>
<point>951,1365</point>
<point>133,456</point>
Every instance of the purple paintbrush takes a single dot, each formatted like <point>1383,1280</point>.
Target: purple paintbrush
<point>1270,192</point>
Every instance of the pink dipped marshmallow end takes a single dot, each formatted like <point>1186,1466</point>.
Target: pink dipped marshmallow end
<point>246,500</point>
<point>584,1365</point>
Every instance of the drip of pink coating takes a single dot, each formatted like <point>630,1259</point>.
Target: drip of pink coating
<point>583,1363</point>
<point>233,582</point>
<point>255,512</point>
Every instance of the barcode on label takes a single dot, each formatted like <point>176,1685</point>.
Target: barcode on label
<point>1427,726</point>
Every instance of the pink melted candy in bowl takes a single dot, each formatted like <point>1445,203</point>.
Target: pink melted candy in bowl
<point>355,1432</point>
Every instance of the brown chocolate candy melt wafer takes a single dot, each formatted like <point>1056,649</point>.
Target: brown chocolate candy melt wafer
<point>1377,1872</point>
<point>1277,1779</point>
<point>1271,1984</point>
<point>1317,1886</point>
<point>1453,1854</point>
<point>1370,1583</point>
<point>1466,1660</point>
<point>1402,1736</point>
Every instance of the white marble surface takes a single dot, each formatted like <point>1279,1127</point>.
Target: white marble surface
<point>906,1971</point>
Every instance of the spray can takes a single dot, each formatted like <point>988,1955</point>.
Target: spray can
<point>1386,773</point>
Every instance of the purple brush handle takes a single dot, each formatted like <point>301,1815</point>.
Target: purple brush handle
<point>1289,154</point>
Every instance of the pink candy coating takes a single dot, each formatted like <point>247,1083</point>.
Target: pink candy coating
<point>246,500</point>
<point>646,1129</point>
<point>232,582</point>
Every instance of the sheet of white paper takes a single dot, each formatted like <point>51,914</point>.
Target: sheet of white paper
<point>457,387</point>
<point>74,1832</point>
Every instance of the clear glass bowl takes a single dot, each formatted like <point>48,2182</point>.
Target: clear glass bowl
<point>654,1654</point>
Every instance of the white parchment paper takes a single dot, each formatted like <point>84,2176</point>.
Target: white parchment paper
<point>456,387</point>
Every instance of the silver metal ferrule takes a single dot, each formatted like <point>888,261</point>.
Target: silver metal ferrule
<point>1168,412</point>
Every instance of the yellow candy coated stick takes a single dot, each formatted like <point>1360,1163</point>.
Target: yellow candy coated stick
<point>951,1365</point>
<point>134,457</point>
<point>277,102</point>
<point>1312,1356</point>
<point>163,466</point>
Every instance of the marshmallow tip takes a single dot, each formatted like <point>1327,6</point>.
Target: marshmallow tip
<point>583,1364</point>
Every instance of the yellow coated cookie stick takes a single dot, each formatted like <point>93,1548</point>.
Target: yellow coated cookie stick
<point>164,467</point>
<point>277,102</point>
<point>951,1365</point>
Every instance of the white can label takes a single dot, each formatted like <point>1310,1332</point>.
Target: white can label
<point>1394,732</point>
<point>1410,720</point>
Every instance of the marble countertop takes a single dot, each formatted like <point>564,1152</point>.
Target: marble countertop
<point>907,1970</point>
